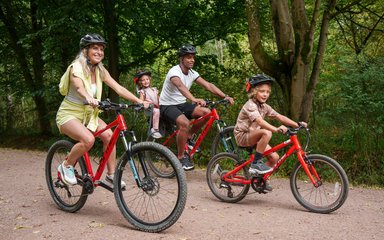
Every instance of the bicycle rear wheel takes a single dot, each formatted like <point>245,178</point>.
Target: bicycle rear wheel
<point>159,165</point>
<point>225,142</point>
<point>156,202</point>
<point>219,165</point>
<point>333,189</point>
<point>68,198</point>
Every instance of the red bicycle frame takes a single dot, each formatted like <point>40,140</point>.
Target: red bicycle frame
<point>120,125</point>
<point>213,116</point>
<point>296,147</point>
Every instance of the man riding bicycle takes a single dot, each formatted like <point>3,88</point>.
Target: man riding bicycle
<point>173,100</point>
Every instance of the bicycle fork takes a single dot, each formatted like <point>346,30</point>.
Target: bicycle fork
<point>128,151</point>
<point>308,167</point>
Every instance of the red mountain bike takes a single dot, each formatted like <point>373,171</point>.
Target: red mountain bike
<point>223,140</point>
<point>149,202</point>
<point>317,182</point>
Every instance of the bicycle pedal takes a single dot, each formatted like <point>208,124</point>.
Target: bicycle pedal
<point>102,184</point>
<point>224,185</point>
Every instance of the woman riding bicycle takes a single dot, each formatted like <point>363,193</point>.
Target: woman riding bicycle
<point>82,84</point>
<point>252,130</point>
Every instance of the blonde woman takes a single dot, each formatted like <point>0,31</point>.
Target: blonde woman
<point>77,116</point>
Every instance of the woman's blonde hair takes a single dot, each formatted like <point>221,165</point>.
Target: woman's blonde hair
<point>82,58</point>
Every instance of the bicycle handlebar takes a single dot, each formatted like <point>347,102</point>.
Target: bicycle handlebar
<point>107,105</point>
<point>213,104</point>
<point>294,131</point>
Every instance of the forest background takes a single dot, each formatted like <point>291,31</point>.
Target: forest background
<point>326,56</point>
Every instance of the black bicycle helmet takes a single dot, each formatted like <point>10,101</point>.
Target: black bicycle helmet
<point>256,80</point>
<point>141,73</point>
<point>186,49</point>
<point>92,38</point>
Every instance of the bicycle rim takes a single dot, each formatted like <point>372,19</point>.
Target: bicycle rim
<point>68,198</point>
<point>159,202</point>
<point>332,192</point>
<point>225,191</point>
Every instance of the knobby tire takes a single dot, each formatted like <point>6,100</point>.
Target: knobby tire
<point>159,202</point>
<point>68,198</point>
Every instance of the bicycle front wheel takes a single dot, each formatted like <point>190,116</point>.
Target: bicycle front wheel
<point>219,165</point>
<point>150,203</point>
<point>333,185</point>
<point>68,198</point>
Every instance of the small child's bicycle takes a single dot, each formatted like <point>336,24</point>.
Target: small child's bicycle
<point>149,202</point>
<point>317,182</point>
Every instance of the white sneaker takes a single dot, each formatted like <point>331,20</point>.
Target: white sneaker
<point>109,182</point>
<point>156,134</point>
<point>67,174</point>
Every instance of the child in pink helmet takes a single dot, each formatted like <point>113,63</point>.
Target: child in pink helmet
<point>151,94</point>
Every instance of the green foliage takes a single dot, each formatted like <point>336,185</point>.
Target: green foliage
<point>347,120</point>
<point>349,123</point>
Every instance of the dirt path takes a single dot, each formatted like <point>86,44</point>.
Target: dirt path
<point>28,212</point>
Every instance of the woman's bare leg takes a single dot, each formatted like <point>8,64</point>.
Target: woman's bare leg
<point>105,137</point>
<point>78,132</point>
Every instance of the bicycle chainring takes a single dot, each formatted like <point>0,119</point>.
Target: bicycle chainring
<point>88,185</point>
<point>258,184</point>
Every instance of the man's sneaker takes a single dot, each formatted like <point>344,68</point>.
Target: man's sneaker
<point>67,174</point>
<point>187,163</point>
<point>109,182</point>
<point>259,167</point>
<point>191,144</point>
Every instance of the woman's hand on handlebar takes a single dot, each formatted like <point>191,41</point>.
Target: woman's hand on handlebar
<point>92,102</point>
<point>145,104</point>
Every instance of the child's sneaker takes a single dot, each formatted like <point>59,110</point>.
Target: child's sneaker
<point>109,182</point>
<point>259,167</point>
<point>156,134</point>
<point>67,174</point>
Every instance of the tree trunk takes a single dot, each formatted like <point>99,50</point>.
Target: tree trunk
<point>289,62</point>
<point>113,46</point>
<point>35,85</point>
<point>309,95</point>
<point>38,72</point>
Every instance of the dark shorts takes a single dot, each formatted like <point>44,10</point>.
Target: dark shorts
<point>170,113</point>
